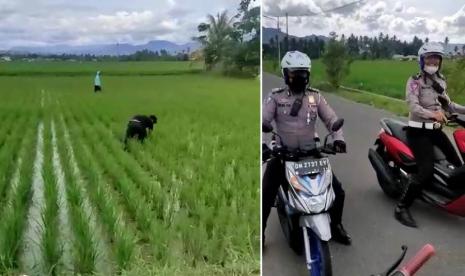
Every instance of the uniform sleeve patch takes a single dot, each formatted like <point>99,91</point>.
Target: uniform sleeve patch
<point>413,86</point>
<point>311,99</point>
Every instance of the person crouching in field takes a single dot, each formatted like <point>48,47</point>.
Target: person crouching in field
<point>137,127</point>
<point>97,83</point>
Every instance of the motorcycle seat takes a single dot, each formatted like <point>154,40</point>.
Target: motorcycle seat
<point>397,128</point>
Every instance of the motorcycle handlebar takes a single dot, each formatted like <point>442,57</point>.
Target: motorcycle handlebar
<point>454,118</point>
<point>284,152</point>
<point>418,260</point>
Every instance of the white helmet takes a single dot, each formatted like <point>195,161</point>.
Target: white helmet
<point>427,49</point>
<point>296,60</point>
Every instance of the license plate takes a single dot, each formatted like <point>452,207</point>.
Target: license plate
<point>311,166</point>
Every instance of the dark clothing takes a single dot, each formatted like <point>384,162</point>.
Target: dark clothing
<point>145,121</point>
<point>136,130</point>
<point>97,88</point>
<point>274,177</point>
<point>137,127</point>
<point>422,142</point>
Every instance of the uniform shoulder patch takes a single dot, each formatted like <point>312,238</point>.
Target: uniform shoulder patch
<point>416,76</point>
<point>277,90</point>
<point>314,90</point>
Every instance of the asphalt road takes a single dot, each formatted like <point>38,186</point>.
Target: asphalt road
<point>368,214</point>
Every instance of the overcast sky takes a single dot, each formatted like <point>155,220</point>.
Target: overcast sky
<point>80,22</point>
<point>434,19</point>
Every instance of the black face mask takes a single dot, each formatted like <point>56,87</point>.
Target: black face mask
<point>299,80</point>
<point>299,83</point>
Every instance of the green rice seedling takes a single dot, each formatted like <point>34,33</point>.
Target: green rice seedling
<point>148,186</point>
<point>13,218</point>
<point>51,250</point>
<point>83,244</point>
<point>187,196</point>
<point>9,155</point>
<point>132,198</point>
<point>85,253</point>
<point>124,241</point>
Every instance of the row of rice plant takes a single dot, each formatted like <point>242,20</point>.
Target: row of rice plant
<point>51,248</point>
<point>132,197</point>
<point>14,215</point>
<point>203,156</point>
<point>85,168</point>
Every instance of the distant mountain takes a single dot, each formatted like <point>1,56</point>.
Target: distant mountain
<point>109,49</point>
<point>269,33</point>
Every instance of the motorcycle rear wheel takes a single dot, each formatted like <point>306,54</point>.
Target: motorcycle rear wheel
<point>392,190</point>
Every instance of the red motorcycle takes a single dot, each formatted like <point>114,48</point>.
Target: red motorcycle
<point>394,163</point>
<point>413,265</point>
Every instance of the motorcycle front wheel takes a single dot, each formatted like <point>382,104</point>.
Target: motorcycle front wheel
<point>319,254</point>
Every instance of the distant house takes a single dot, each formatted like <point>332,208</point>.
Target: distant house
<point>5,58</point>
<point>411,57</point>
<point>402,57</point>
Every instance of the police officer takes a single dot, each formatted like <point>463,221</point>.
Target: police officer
<point>427,99</point>
<point>298,130</point>
<point>138,126</point>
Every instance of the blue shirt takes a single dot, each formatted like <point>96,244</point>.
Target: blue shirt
<point>97,81</point>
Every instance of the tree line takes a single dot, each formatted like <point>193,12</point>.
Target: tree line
<point>141,55</point>
<point>382,46</point>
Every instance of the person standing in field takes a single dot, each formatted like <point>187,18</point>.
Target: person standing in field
<point>97,83</point>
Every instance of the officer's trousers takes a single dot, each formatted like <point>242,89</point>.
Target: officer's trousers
<point>422,142</point>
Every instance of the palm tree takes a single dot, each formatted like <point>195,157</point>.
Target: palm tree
<point>216,41</point>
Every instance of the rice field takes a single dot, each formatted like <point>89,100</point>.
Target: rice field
<point>384,77</point>
<point>74,201</point>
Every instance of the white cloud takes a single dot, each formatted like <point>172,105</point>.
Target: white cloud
<point>49,22</point>
<point>423,18</point>
<point>291,7</point>
<point>411,10</point>
<point>398,7</point>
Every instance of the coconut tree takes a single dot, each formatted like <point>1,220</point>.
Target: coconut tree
<point>216,37</point>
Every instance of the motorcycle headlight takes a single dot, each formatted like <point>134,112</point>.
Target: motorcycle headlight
<point>294,181</point>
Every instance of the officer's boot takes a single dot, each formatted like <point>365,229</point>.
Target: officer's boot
<point>339,234</point>
<point>402,212</point>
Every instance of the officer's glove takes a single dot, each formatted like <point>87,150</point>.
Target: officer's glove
<point>340,146</point>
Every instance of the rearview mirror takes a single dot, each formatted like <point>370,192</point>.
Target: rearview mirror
<point>337,125</point>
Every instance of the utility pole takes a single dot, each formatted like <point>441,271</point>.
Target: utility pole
<point>322,12</point>
<point>287,33</point>
<point>279,44</point>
